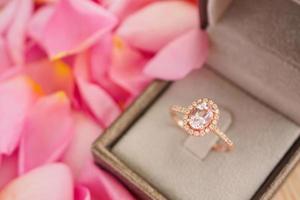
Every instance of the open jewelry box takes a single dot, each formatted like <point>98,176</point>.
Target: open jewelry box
<point>253,73</point>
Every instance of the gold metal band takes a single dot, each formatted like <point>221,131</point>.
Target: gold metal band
<point>226,145</point>
<point>175,112</point>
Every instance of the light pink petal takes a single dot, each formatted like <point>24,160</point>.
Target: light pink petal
<point>102,185</point>
<point>3,2</point>
<point>16,34</point>
<point>73,26</point>
<point>52,76</point>
<point>100,103</point>
<point>101,55</point>
<point>7,15</point>
<point>122,8</point>
<point>103,107</point>
<point>79,158</point>
<point>100,58</point>
<point>38,22</point>
<point>12,72</point>
<point>17,96</point>
<point>155,25</point>
<point>8,169</point>
<point>79,151</point>
<point>181,56</point>
<point>82,193</point>
<point>47,132</point>
<point>41,2</point>
<point>5,61</point>
<point>50,182</point>
<point>127,68</point>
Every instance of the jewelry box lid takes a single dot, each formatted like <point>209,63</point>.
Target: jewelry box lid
<point>256,45</point>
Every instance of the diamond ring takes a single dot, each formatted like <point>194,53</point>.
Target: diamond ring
<point>199,118</point>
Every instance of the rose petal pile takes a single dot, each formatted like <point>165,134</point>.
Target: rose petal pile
<point>67,69</point>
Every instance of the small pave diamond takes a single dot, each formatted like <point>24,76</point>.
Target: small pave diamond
<point>215,106</point>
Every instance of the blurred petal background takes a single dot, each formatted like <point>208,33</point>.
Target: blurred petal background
<point>68,68</point>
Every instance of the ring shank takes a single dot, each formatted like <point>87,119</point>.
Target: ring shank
<point>225,145</point>
<point>175,112</point>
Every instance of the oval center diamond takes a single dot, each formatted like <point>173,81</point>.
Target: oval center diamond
<point>201,116</point>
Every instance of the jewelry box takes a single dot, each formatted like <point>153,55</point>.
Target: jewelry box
<point>253,73</point>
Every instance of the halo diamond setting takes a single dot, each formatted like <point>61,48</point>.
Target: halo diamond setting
<point>201,117</point>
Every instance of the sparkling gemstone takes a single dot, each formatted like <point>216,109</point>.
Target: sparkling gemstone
<point>201,117</point>
<point>197,121</point>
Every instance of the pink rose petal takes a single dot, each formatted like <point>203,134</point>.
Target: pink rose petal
<point>101,55</point>
<point>127,67</point>
<point>16,34</point>
<point>79,151</point>
<point>12,72</point>
<point>181,56</point>
<point>47,132</point>
<point>158,23</point>
<point>3,2</point>
<point>5,61</point>
<point>7,15</point>
<point>34,53</point>
<point>100,103</point>
<point>100,58</point>
<point>50,182</point>
<point>17,95</point>
<point>61,35</point>
<point>8,169</point>
<point>39,21</point>
<point>102,185</point>
<point>41,2</point>
<point>82,193</point>
<point>78,156</point>
<point>123,8</point>
<point>52,76</point>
